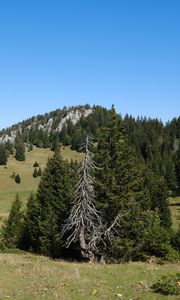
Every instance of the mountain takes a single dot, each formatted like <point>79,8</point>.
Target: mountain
<point>156,144</point>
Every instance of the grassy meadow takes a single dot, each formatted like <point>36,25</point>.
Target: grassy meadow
<point>30,277</point>
<point>9,188</point>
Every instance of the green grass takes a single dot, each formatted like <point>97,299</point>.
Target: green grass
<point>29,277</point>
<point>175,211</point>
<point>9,188</point>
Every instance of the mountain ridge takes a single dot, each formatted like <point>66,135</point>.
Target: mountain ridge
<point>52,121</point>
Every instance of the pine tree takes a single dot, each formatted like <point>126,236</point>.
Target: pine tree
<point>119,182</point>
<point>39,172</point>
<point>177,169</point>
<point>54,198</point>
<point>31,225</point>
<point>17,179</point>
<point>20,149</point>
<point>12,227</point>
<point>159,197</point>
<point>35,173</point>
<point>120,185</point>
<point>3,155</point>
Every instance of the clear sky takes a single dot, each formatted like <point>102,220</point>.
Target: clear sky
<point>70,52</point>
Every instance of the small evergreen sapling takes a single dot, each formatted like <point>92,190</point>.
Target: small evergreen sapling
<point>3,155</point>
<point>17,179</point>
<point>39,172</point>
<point>35,173</point>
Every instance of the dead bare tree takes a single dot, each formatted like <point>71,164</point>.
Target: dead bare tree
<point>84,224</point>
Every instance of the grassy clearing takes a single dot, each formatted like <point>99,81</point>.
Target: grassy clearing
<point>8,187</point>
<point>175,211</point>
<point>29,277</point>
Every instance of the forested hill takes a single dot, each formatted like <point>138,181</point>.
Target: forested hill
<point>156,144</point>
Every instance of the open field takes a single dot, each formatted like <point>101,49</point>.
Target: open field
<point>29,277</point>
<point>9,188</point>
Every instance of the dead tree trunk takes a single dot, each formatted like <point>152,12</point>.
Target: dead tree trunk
<point>84,220</point>
<point>84,224</point>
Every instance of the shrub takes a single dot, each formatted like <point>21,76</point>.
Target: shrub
<point>13,175</point>
<point>168,285</point>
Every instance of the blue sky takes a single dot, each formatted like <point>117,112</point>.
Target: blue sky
<point>70,52</point>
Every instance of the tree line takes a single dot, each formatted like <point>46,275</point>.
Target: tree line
<point>158,145</point>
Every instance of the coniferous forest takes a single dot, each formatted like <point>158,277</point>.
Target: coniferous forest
<point>114,204</point>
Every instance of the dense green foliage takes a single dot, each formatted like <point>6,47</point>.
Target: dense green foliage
<point>138,168</point>
<point>47,210</point>
<point>122,188</point>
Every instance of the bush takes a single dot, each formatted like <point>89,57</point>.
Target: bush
<point>168,285</point>
<point>13,176</point>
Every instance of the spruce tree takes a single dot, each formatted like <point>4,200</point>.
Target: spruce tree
<point>39,172</point>
<point>31,225</point>
<point>35,173</point>
<point>20,149</point>
<point>12,227</point>
<point>54,198</point>
<point>3,155</point>
<point>119,184</point>
<point>159,197</point>
<point>17,179</point>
